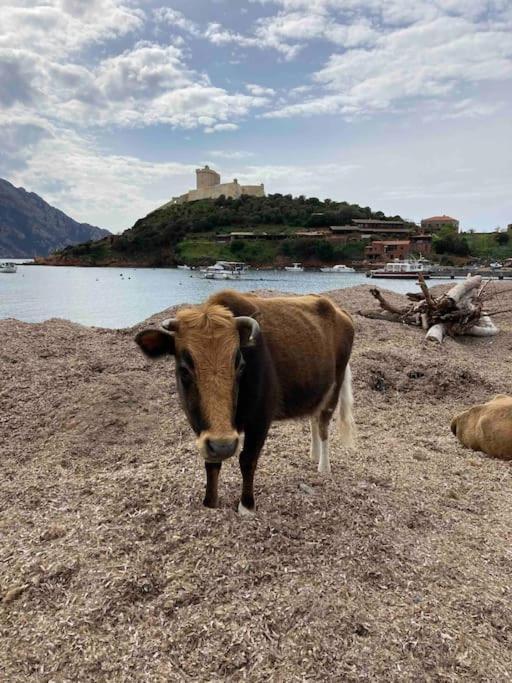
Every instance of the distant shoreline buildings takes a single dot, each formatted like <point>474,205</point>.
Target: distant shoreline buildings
<point>436,223</point>
<point>209,186</point>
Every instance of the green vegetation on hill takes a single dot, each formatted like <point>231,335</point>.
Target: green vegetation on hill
<point>495,246</point>
<point>186,232</point>
<point>485,246</point>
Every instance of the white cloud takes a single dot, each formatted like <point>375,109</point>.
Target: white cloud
<point>290,31</point>
<point>228,154</point>
<point>426,60</point>
<point>177,20</point>
<point>144,72</point>
<point>221,127</point>
<point>144,86</point>
<point>16,77</point>
<point>352,23</point>
<point>395,11</point>
<point>260,90</point>
<point>467,108</point>
<point>286,32</point>
<point>60,27</point>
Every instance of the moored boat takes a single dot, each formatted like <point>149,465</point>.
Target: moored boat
<point>296,268</point>
<point>408,268</point>
<point>224,270</point>
<point>7,267</point>
<point>340,268</point>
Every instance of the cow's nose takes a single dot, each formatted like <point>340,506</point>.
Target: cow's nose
<point>220,449</point>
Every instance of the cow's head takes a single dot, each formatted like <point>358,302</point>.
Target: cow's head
<point>206,343</point>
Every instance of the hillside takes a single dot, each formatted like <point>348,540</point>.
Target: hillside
<point>163,237</point>
<point>30,227</point>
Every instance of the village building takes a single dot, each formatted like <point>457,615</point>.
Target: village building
<point>209,186</point>
<point>368,228</point>
<point>436,223</point>
<point>421,244</point>
<point>387,250</point>
<point>376,224</point>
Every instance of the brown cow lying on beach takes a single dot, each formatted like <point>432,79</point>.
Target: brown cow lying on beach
<point>487,427</point>
<point>244,361</point>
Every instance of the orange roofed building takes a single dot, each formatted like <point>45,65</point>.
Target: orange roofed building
<point>435,223</point>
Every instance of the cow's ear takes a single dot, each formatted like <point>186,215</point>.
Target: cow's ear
<point>156,343</point>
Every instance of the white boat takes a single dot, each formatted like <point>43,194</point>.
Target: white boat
<point>7,267</point>
<point>225,270</point>
<point>496,265</point>
<point>296,268</point>
<point>184,267</point>
<point>408,268</point>
<point>341,268</point>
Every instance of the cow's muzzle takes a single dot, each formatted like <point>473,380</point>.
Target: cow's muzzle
<point>217,450</point>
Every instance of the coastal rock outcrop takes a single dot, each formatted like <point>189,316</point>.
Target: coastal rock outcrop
<point>30,227</point>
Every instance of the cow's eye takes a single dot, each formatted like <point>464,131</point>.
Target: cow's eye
<point>185,374</point>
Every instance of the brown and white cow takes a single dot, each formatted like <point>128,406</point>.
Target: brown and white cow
<point>487,427</point>
<point>243,361</point>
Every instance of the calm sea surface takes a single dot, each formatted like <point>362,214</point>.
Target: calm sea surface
<point>121,297</point>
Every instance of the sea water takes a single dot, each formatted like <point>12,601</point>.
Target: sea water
<point>121,297</point>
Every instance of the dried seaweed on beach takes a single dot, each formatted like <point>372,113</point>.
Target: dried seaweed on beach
<point>396,568</point>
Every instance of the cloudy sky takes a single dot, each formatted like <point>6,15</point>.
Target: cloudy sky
<point>108,106</point>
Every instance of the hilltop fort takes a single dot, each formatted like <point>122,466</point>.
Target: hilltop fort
<point>208,186</point>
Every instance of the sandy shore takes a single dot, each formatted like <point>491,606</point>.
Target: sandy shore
<point>398,567</point>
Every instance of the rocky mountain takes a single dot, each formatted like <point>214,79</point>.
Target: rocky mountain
<point>30,227</point>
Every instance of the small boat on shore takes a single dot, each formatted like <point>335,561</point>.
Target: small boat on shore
<point>184,267</point>
<point>406,269</point>
<point>7,267</point>
<point>341,268</point>
<point>224,270</point>
<point>296,268</point>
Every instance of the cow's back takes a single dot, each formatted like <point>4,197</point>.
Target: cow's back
<point>487,427</point>
<point>308,338</point>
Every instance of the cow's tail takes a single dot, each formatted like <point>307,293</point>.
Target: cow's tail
<point>345,418</point>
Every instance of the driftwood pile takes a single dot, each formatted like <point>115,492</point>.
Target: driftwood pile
<point>460,311</point>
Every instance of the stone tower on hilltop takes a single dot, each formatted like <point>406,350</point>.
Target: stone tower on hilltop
<point>206,177</point>
<point>208,186</point>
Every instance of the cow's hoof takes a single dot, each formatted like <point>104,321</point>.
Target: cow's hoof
<point>208,503</point>
<point>245,512</point>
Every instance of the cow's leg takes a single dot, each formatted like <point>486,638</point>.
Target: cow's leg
<point>253,443</point>
<point>316,444</point>
<point>211,498</point>
<point>324,419</point>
